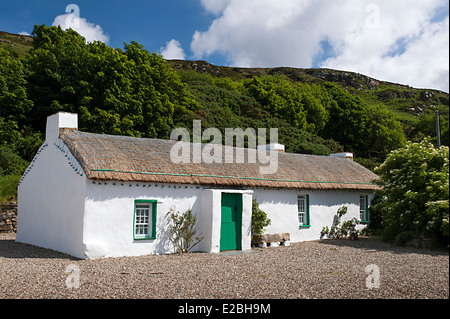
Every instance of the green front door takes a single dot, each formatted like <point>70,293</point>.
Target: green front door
<point>231,226</point>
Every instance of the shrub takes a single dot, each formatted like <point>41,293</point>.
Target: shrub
<point>183,229</point>
<point>415,192</point>
<point>8,188</point>
<point>347,229</point>
<point>259,219</point>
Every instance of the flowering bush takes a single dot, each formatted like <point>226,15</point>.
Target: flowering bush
<point>347,229</point>
<point>342,211</point>
<point>324,231</point>
<point>415,191</point>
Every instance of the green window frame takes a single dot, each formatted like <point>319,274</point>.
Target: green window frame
<point>303,211</point>
<point>364,209</point>
<point>144,219</point>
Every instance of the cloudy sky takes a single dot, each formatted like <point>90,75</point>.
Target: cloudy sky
<point>402,41</point>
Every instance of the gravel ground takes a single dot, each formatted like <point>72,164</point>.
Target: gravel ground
<point>316,269</point>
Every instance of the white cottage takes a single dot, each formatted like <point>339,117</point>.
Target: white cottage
<point>95,195</point>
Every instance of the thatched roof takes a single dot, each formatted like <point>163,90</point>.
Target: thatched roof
<point>120,158</point>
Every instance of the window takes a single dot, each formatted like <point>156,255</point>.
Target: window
<point>303,210</point>
<point>363,208</point>
<point>144,219</point>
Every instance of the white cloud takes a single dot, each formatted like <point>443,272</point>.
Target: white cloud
<point>24,33</point>
<point>214,6</point>
<point>393,40</point>
<point>88,30</point>
<point>173,51</point>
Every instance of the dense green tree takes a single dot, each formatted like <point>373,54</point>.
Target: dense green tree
<point>17,143</point>
<point>383,132</point>
<point>415,191</point>
<point>279,97</point>
<point>14,103</point>
<point>347,122</point>
<point>131,92</point>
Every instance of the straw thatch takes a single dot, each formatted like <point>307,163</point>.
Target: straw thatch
<point>120,158</point>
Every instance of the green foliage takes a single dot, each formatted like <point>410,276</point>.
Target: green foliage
<point>279,97</point>
<point>325,231</point>
<point>259,219</point>
<point>130,92</point>
<point>415,191</point>
<point>10,162</point>
<point>228,103</point>
<point>14,103</point>
<point>346,229</point>
<point>8,188</point>
<point>183,229</point>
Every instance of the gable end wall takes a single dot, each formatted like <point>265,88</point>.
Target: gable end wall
<point>51,199</point>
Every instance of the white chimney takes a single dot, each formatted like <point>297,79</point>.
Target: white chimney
<point>57,121</point>
<point>272,147</point>
<point>343,155</point>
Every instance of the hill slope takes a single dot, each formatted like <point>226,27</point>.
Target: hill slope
<point>317,111</point>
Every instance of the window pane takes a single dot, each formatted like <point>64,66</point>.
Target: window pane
<point>301,217</point>
<point>362,207</point>
<point>143,220</point>
<point>301,204</point>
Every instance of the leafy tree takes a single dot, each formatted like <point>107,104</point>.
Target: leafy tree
<point>10,162</point>
<point>130,92</point>
<point>347,122</point>
<point>16,143</point>
<point>14,103</point>
<point>383,132</point>
<point>426,125</point>
<point>415,191</point>
<point>279,97</point>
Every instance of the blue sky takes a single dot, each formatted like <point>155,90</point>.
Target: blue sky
<point>403,41</point>
<point>151,23</point>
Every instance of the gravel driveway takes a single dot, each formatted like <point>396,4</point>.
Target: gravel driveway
<point>366,268</point>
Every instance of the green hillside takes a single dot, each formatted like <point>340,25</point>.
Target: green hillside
<point>17,44</point>
<point>133,92</point>
<point>408,104</point>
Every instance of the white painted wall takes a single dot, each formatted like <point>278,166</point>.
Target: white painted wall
<point>51,202</point>
<point>281,208</point>
<point>109,216</point>
<point>109,211</point>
